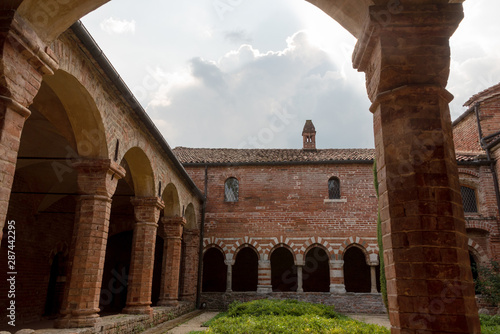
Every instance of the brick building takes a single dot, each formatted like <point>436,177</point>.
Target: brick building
<point>94,193</point>
<point>304,220</point>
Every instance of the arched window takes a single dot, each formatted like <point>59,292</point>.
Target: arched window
<point>231,190</point>
<point>334,188</point>
<point>469,199</point>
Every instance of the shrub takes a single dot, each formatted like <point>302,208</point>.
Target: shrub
<point>287,316</point>
<point>490,324</point>
<point>488,282</point>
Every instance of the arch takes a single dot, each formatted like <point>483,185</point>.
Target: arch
<point>246,242</point>
<point>171,199</point>
<point>245,269</point>
<point>215,242</point>
<point>82,114</point>
<point>231,190</point>
<point>281,242</point>
<point>214,271</point>
<point>477,251</point>
<point>283,270</point>
<point>141,172</point>
<point>316,270</point>
<point>190,215</point>
<point>356,270</point>
<point>49,20</point>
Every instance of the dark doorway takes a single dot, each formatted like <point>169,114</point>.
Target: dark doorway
<point>214,271</point>
<point>245,270</point>
<point>157,271</point>
<point>115,276</point>
<point>283,270</point>
<point>356,271</point>
<point>55,289</point>
<point>316,271</point>
<point>475,274</point>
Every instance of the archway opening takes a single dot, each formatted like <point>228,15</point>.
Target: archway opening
<point>55,289</point>
<point>474,270</point>
<point>283,271</point>
<point>157,271</point>
<point>245,270</point>
<point>115,274</point>
<point>214,271</point>
<point>316,271</point>
<point>356,271</point>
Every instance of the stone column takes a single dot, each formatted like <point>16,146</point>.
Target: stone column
<point>192,241</point>
<point>337,277</point>
<point>229,275</point>
<point>299,278</point>
<point>25,59</point>
<point>373,277</point>
<point>147,213</point>
<point>97,180</point>
<point>264,277</point>
<point>406,58</point>
<point>169,293</point>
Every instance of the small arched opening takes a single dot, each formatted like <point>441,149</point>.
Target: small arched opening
<point>245,270</point>
<point>356,271</point>
<point>316,271</point>
<point>283,270</point>
<point>214,271</point>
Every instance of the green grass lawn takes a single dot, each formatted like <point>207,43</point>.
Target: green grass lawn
<point>291,316</point>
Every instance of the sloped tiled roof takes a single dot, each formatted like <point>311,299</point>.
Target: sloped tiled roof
<point>243,156</point>
<point>264,156</point>
<point>485,94</point>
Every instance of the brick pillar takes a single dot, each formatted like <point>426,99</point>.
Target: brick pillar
<point>147,213</point>
<point>190,273</point>
<point>25,59</point>
<point>169,292</point>
<point>264,277</point>
<point>337,277</point>
<point>97,180</point>
<point>406,56</point>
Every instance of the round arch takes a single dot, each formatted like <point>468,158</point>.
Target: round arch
<point>171,199</point>
<point>245,269</point>
<point>82,115</point>
<point>141,172</point>
<point>356,269</point>
<point>49,20</point>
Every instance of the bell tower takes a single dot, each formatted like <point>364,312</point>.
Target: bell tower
<point>309,136</point>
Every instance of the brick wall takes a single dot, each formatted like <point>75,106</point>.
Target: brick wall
<point>278,204</point>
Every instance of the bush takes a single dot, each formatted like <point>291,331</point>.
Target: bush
<point>285,307</point>
<point>287,316</point>
<point>490,324</point>
<point>488,282</point>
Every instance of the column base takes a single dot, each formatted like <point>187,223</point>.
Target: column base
<point>168,302</point>
<point>264,289</point>
<point>138,309</point>
<point>77,320</point>
<point>338,289</point>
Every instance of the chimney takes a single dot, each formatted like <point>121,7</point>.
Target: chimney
<point>309,136</point>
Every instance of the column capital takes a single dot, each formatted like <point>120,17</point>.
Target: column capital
<point>97,176</point>
<point>173,227</point>
<point>147,209</point>
<point>406,44</point>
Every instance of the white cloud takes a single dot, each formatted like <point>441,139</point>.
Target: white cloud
<point>118,26</point>
<point>253,99</point>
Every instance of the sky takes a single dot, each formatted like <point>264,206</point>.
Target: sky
<point>249,73</point>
